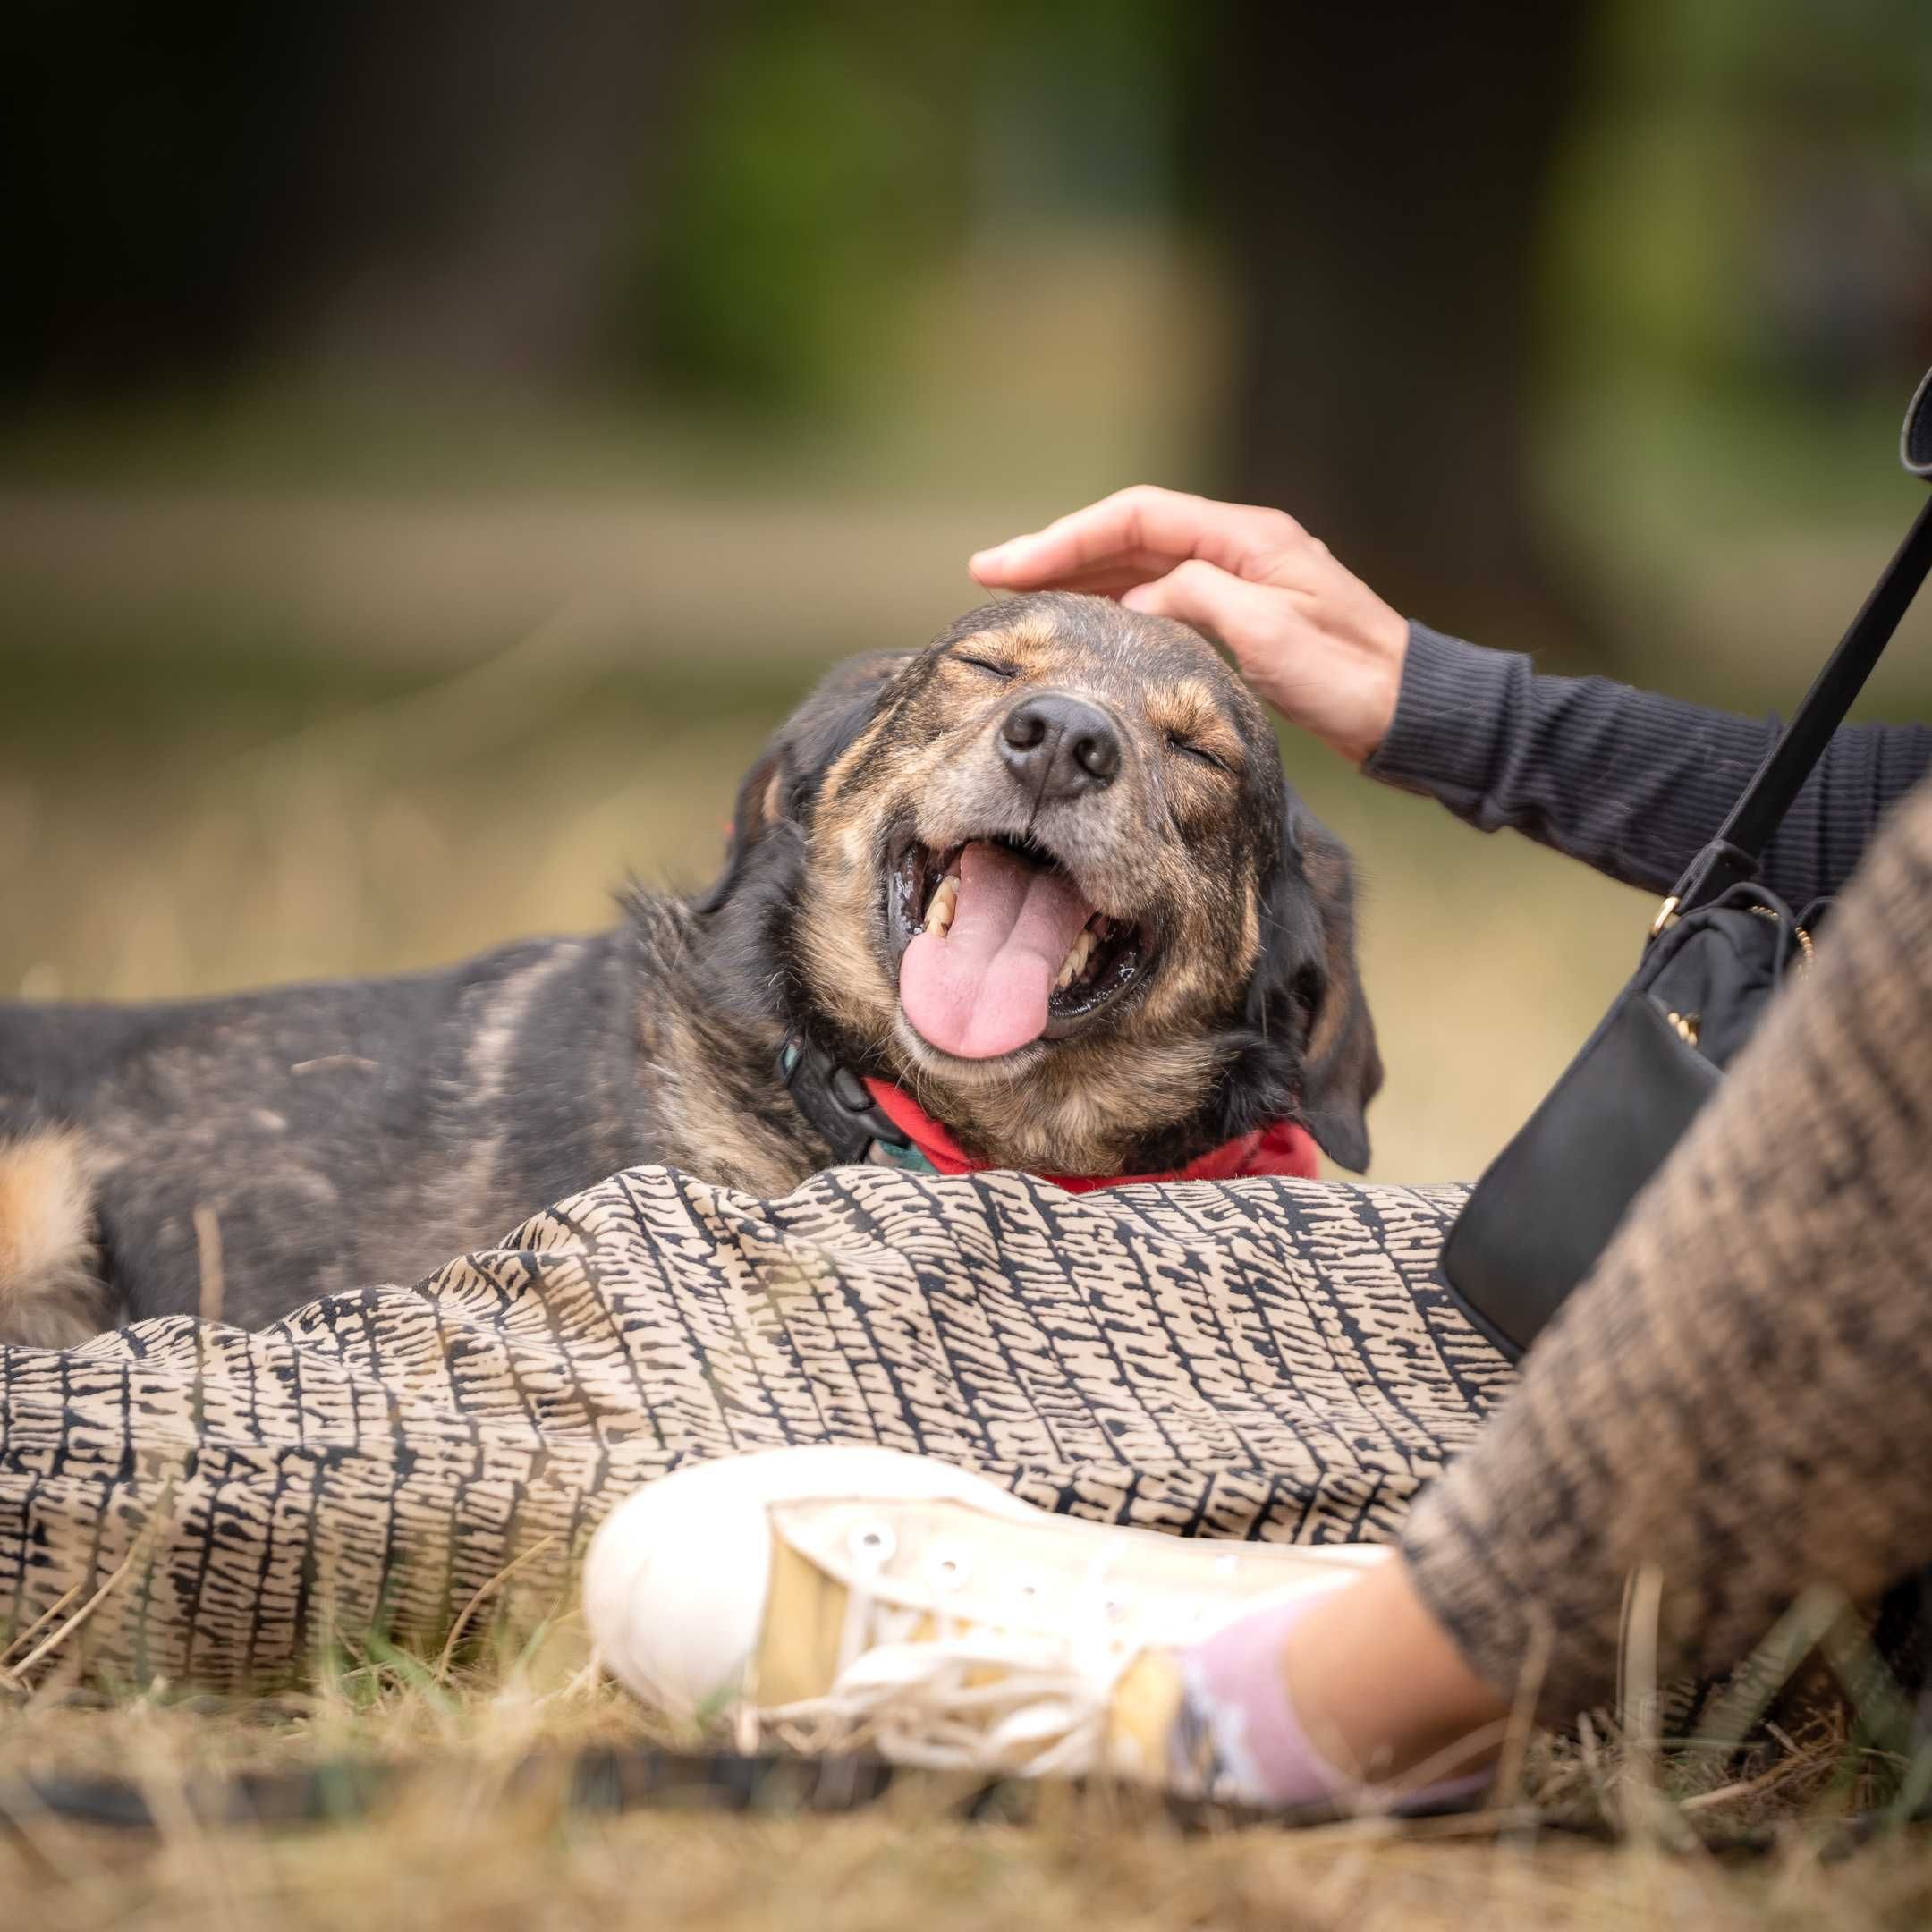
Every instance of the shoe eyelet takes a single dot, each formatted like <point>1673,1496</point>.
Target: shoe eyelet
<point>947,1572</point>
<point>872,1544</point>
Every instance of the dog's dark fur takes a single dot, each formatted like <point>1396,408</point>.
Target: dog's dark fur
<point>330,1137</point>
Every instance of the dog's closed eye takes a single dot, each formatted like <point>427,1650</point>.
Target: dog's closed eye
<point>1187,748</point>
<point>1005,672</point>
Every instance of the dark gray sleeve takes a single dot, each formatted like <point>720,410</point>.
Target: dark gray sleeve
<point>1630,782</point>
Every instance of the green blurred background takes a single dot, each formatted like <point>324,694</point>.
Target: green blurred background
<point>437,442</point>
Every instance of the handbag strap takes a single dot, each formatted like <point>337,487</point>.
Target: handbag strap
<point>1734,854</point>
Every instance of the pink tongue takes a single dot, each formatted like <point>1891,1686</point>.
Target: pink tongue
<point>982,990</point>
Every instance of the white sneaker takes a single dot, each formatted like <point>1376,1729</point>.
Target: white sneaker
<point>856,1598</point>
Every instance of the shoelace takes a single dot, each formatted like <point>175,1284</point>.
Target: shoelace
<point>1021,1684</point>
<point>963,1696</point>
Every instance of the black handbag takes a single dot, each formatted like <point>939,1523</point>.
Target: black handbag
<point>1720,946</point>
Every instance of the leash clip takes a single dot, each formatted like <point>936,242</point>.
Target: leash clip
<point>840,1109</point>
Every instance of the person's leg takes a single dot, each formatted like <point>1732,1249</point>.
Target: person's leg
<point>1419,1708</point>
<point>1354,1691</point>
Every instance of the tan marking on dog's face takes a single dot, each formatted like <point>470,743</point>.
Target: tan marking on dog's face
<point>1174,845</point>
<point>1027,644</point>
<point>1190,709</point>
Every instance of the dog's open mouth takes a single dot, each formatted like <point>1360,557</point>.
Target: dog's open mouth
<point>999,947</point>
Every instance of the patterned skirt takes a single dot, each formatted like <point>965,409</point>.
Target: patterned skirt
<point>1261,1358</point>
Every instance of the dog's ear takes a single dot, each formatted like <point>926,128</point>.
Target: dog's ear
<point>780,788</point>
<point>1309,978</point>
<point>1341,1067</point>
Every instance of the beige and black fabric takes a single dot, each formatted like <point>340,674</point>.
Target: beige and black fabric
<point>1256,1359</point>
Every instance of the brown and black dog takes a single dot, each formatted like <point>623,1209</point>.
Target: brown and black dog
<point>1044,875</point>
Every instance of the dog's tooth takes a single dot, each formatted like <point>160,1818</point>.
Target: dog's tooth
<point>945,903</point>
<point>1075,963</point>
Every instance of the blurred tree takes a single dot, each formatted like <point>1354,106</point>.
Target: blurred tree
<point>192,187</point>
<point>1505,279</point>
<point>146,159</point>
<point>1380,173</point>
<point>485,157</point>
<point>813,175</point>
<point>1748,212</point>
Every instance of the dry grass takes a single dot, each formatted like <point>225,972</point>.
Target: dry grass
<point>448,1790</point>
<point>476,1837</point>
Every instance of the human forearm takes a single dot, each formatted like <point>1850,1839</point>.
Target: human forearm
<point>1631,782</point>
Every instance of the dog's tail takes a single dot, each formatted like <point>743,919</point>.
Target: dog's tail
<point>52,1294</point>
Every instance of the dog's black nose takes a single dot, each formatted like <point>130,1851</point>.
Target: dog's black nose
<point>1058,747</point>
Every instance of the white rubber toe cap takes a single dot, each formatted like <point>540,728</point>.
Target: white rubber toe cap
<point>675,1580</point>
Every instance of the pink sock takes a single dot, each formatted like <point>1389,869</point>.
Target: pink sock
<point>1238,1736</point>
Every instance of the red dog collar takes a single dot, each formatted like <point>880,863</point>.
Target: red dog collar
<point>1283,1149</point>
<point>873,1122</point>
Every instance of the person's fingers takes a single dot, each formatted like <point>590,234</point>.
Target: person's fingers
<point>1113,529</point>
<point>1112,576</point>
<point>1146,523</point>
<point>1327,658</point>
<point>1005,565</point>
<point>1212,600</point>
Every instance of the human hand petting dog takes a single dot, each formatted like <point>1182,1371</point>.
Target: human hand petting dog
<point>1312,639</point>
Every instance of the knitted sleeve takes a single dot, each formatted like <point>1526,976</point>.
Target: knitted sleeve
<point>1631,783</point>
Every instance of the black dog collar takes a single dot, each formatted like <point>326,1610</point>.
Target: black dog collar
<point>834,1099</point>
